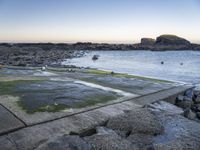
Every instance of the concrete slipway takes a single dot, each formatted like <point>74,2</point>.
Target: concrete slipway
<point>36,105</point>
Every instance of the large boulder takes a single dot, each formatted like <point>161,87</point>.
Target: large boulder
<point>171,40</point>
<point>184,102</point>
<point>138,121</point>
<point>142,141</point>
<point>107,139</point>
<point>66,143</point>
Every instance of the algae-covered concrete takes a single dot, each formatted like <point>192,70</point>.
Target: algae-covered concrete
<point>36,96</point>
<point>62,101</point>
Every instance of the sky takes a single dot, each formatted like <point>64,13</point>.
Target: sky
<point>107,21</point>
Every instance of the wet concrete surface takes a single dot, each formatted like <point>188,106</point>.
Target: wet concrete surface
<point>56,103</point>
<point>37,96</point>
<point>60,94</point>
<point>8,121</point>
<point>132,85</point>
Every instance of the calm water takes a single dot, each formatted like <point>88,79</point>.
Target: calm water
<point>146,63</point>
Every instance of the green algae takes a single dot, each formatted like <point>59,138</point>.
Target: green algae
<point>29,102</point>
<point>90,101</point>
<point>121,75</point>
<point>45,108</point>
<point>9,87</point>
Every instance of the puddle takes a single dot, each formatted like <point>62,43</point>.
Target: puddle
<point>44,73</point>
<point>104,88</point>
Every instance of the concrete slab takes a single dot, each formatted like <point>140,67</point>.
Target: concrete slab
<point>8,121</point>
<point>36,101</point>
<point>165,95</point>
<point>34,136</point>
<point>10,102</point>
<point>132,85</point>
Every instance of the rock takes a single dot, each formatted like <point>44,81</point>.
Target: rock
<point>198,115</point>
<point>189,94</point>
<point>171,40</point>
<point>147,41</point>
<point>142,141</point>
<point>95,57</point>
<point>141,121</point>
<point>161,106</point>
<point>109,142</point>
<point>196,107</point>
<point>105,131</point>
<point>189,114</point>
<point>183,102</point>
<point>66,143</point>
<point>197,100</point>
<point>180,133</point>
<point>184,143</point>
<point>196,94</point>
<point>180,98</point>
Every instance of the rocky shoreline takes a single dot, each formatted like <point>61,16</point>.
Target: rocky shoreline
<point>35,56</point>
<point>41,54</point>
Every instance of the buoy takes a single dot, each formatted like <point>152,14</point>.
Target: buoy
<point>43,68</point>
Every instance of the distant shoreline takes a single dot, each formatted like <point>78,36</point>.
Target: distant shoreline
<point>41,54</point>
<point>162,43</point>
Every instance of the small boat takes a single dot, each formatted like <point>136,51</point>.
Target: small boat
<point>95,57</point>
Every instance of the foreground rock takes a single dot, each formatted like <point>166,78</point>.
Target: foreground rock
<point>108,139</point>
<point>190,103</point>
<point>66,143</point>
<point>141,121</point>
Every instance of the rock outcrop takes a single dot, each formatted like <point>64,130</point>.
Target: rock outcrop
<point>171,40</point>
<point>147,41</point>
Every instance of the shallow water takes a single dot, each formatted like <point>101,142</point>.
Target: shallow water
<point>182,66</point>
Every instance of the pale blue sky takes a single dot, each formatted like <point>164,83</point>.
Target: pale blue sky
<point>112,21</point>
